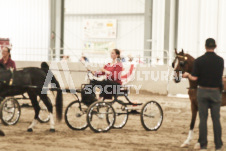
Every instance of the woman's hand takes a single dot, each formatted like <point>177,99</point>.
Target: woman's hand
<point>93,72</point>
<point>105,71</point>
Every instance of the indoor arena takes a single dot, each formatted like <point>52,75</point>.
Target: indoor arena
<point>112,75</point>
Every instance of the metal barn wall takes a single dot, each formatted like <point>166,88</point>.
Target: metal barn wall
<point>221,37</point>
<point>130,24</point>
<point>130,34</point>
<point>104,6</point>
<point>26,23</point>
<point>199,20</point>
<point>158,30</point>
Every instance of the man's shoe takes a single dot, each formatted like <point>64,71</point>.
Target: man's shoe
<point>220,149</point>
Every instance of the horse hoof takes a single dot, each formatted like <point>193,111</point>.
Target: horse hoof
<point>52,130</point>
<point>184,145</point>
<point>30,130</point>
<point>2,133</point>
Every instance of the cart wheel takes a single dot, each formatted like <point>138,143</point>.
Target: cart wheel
<point>75,115</point>
<point>10,111</point>
<point>121,115</point>
<point>100,117</point>
<point>43,116</point>
<point>151,116</point>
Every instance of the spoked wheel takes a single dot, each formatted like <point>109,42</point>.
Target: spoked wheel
<point>10,111</point>
<point>151,116</point>
<point>100,117</point>
<point>121,115</point>
<point>44,115</point>
<point>75,115</point>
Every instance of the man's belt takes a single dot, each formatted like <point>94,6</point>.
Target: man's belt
<point>209,88</point>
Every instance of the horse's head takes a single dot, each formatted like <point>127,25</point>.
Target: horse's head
<point>182,63</point>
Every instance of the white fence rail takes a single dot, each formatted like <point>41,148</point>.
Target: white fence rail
<point>97,55</point>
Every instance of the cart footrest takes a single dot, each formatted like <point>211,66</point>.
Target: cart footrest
<point>133,112</point>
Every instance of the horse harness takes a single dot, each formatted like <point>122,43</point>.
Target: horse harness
<point>13,81</point>
<point>181,63</point>
<point>8,81</point>
<point>12,77</point>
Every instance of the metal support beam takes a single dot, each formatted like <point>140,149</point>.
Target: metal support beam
<point>176,23</point>
<point>62,27</point>
<point>171,28</point>
<point>103,14</point>
<point>56,29</point>
<point>52,29</point>
<point>167,29</point>
<point>148,26</point>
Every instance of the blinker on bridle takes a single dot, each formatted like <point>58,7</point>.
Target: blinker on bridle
<point>181,63</point>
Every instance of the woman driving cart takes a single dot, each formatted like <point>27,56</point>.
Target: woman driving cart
<point>113,72</point>
<point>101,115</point>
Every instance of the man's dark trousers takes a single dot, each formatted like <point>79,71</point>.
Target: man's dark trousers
<point>209,98</point>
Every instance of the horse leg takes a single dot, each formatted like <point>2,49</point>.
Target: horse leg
<point>2,133</point>
<point>194,110</point>
<point>33,98</point>
<point>49,106</point>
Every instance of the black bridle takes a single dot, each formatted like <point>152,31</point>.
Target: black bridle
<point>181,63</point>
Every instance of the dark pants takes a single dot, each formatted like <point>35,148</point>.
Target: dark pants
<point>209,99</point>
<point>109,91</point>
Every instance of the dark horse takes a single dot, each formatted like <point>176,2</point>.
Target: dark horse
<point>18,82</point>
<point>184,63</point>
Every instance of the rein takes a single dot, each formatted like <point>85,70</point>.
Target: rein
<point>191,88</point>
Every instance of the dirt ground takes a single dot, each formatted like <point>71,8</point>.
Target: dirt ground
<point>169,137</point>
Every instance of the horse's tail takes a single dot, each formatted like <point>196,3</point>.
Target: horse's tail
<point>59,98</point>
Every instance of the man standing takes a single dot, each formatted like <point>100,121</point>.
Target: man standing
<point>208,71</point>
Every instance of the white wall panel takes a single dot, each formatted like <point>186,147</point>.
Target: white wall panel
<point>158,30</point>
<point>130,28</point>
<point>199,20</point>
<point>188,26</point>
<point>104,6</point>
<point>26,23</point>
<point>221,43</point>
<point>208,22</point>
<point>130,34</point>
